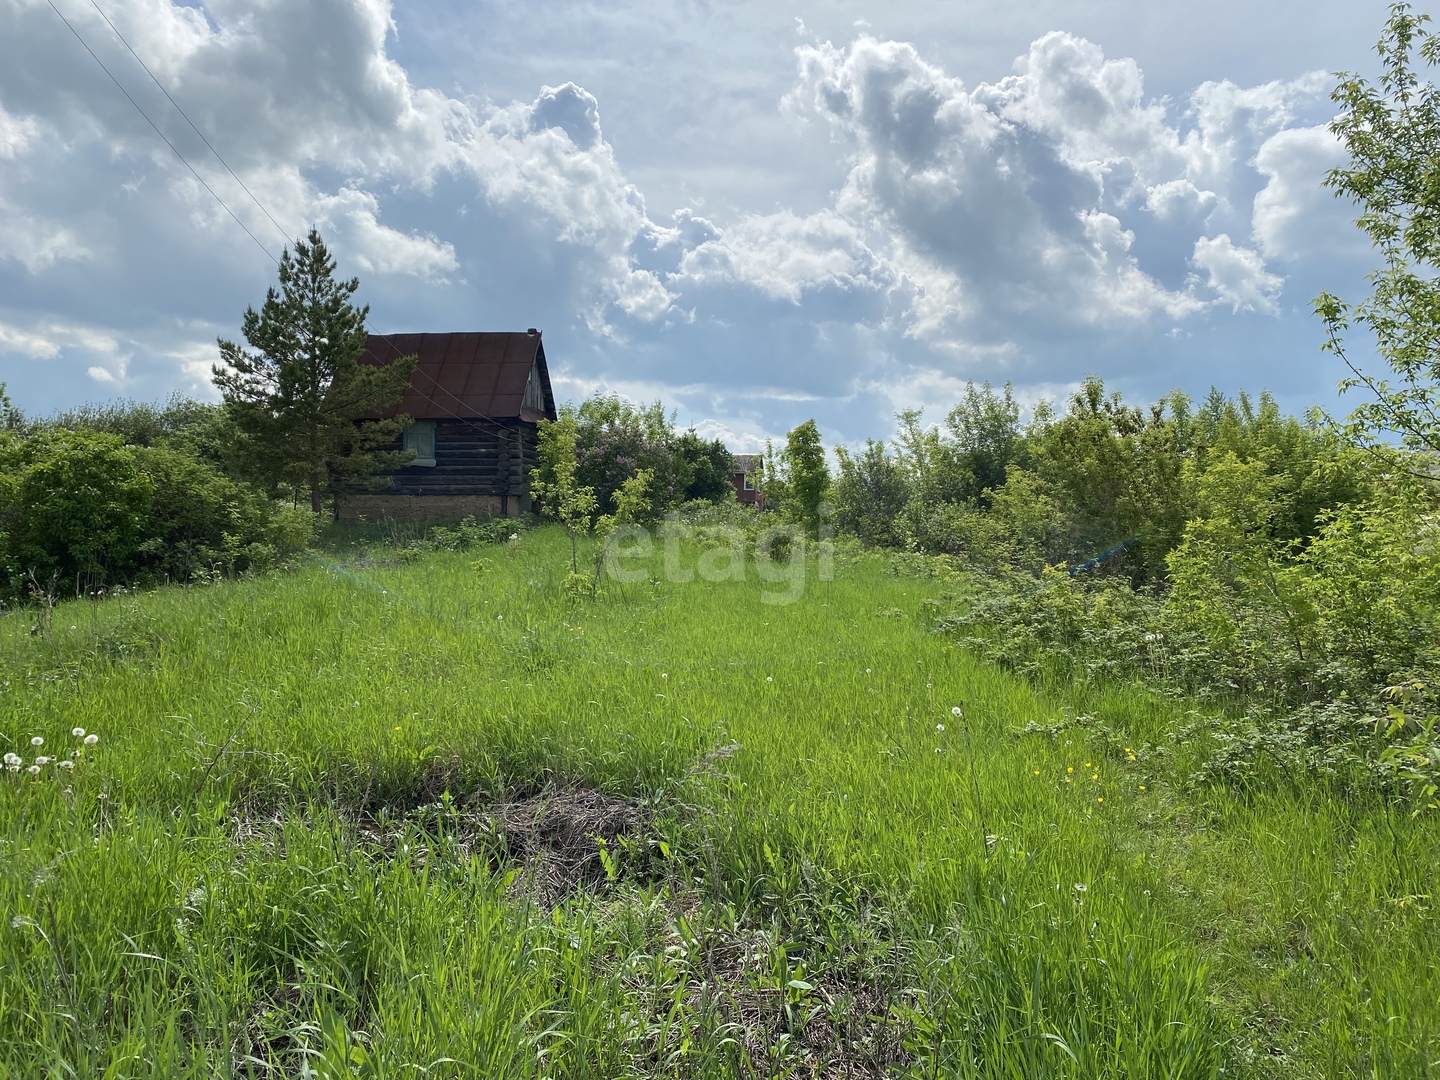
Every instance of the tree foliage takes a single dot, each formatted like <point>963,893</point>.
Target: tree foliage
<point>1391,131</point>
<point>304,410</point>
<point>870,494</point>
<point>805,474</point>
<point>554,483</point>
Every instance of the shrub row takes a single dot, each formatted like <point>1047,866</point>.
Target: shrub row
<point>83,510</point>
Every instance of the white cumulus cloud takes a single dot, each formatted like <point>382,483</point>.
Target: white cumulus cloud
<point>1238,275</point>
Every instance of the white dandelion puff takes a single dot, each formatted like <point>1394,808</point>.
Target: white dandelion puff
<point>91,739</point>
<point>769,679</point>
<point>12,759</point>
<point>663,675</point>
<point>955,710</point>
<point>1081,888</point>
<point>34,770</point>
<point>78,732</point>
<point>65,764</point>
<point>514,536</point>
<point>37,741</point>
<point>939,727</point>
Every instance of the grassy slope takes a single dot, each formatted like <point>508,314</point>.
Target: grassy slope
<point>184,908</point>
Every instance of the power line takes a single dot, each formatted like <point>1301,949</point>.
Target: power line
<point>162,135</point>
<point>182,112</point>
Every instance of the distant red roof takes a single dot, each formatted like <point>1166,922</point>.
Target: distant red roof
<point>470,376</point>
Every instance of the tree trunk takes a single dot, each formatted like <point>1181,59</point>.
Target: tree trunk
<point>316,470</point>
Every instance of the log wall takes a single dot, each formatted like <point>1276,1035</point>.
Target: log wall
<point>481,467</point>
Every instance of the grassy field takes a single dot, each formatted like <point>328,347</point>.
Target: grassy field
<point>394,817</point>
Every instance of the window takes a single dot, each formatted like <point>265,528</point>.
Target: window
<point>420,437</point>
<point>748,485</point>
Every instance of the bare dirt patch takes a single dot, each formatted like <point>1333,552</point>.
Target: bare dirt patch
<point>558,839</point>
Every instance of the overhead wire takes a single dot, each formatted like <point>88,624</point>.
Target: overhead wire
<point>162,134</point>
<point>192,124</point>
<point>498,429</point>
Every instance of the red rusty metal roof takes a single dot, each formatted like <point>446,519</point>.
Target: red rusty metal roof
<point>469,376</point>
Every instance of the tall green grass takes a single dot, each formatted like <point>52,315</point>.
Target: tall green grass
<point>816,883</point>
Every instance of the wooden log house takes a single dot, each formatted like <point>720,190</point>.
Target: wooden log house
<point>474,403</point>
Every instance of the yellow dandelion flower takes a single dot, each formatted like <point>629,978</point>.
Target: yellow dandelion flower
<point>1100,799</point>
<point>1142,787</point>
<point>1070,769</point>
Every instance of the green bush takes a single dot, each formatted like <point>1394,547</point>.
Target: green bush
<point>77,510</point>
<point>81,510</point>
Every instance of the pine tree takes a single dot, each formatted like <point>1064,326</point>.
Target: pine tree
<point>302,405</point>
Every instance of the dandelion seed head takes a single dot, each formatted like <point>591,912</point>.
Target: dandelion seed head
<point>939,727</point>
<point>37,741</point>
<point>514,536</point>
<point>1081,887</point>
<point>769,679</point>
<point>65,764</point>
<point>34,770</point>
<point>955,710</point>
<point>78,732</point>
<point>91,739</point>
<point>663,675</point>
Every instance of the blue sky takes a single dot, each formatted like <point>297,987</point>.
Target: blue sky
<point>756,212</point>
